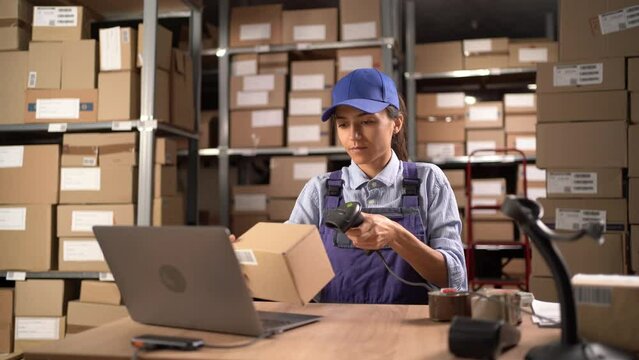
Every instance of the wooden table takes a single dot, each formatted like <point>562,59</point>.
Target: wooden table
<point>346,332</point>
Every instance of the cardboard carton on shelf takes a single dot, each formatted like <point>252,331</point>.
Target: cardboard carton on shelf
<point>13,72</point>
<point>256,25</point>
<point>27,238</point>
<point>118,46</point>
<point>439,57</point>
<point>59,23</point>
<point>360,19</point>
<point>163,45</point>
<point>309,25</point>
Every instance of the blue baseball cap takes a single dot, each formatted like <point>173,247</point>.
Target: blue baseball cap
<point>368,90</point>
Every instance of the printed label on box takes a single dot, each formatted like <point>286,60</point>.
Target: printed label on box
<point>32,79</point>
<point>252,98</point>
<point>480,145</point>
<point>440,151</point>
<point>258,82</point>
<point>477,46</point>
<point>484,202</point>
<point>593,295</point>
<point>526,143</point>
<point>519,100</point>
<point>244,67</point>
<point>572,182</point>
<point>261,31</point>
<point>576,219</point>
<point>308,82</point>
<point>57,127</point>
<point>304,133</point>
<point>11,156</point>
<point>309,32</point>
<point>85,220</point>
<point>110,50</point>
<point>13,219</point>
<point>619,20</point>
<point>582,74</point>
<point>37,328</point>
<point>58,16</point>
<point>450,100</point>
<point>305,171</point>
<point>249,202</point>
<point>533,173</point>
<point>80,179</point>
<point>57,109</point>
<point>533,55</point>
<point>483,113</point>
<point>359,31</point>
<point>267,118</point>
<point>535,193</point>
<point>82,250</point>
<point>245,257</point>
<point>350,63</point>
<point>305,106</point>
<point>488,188</point>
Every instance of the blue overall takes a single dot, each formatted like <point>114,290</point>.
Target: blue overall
<point>361,278</point>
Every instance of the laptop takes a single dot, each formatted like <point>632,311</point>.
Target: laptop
<point>186,277</point>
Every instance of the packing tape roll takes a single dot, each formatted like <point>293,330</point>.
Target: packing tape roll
<point>497,305</point>
<point>444,304</point>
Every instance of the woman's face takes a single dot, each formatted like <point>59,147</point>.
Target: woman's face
<point>366,137</point>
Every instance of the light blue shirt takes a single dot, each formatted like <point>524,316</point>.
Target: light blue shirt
<point>439,209</point>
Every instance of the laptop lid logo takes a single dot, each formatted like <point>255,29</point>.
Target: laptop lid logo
<point>172,278</point>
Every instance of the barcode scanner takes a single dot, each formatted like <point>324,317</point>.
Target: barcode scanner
<point>345,216</point>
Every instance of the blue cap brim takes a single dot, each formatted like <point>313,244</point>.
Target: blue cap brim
<point>365,105</point>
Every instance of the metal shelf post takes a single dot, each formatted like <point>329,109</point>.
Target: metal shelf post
<point>411,97</point>
<point>195,29</point>
<point>223,111</point>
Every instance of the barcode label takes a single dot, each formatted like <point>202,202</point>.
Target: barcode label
<point>57,127</point>
<point>574,75</point>
<point>246,257</point>
<point>16,275</point>
<point>591,295</point>
<point>619,20</point>
<point>572,183</point>
<point>577,219</point>
<point>33,79</point>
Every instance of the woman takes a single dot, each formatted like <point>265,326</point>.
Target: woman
<point>410,213</point>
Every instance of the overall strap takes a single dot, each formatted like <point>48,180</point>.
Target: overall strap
<point>410,185</point>
<point>334,186</point>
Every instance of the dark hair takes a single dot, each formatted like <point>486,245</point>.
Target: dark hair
<point>398,141</point>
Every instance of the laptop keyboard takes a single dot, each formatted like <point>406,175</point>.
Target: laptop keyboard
<point>274,320</point>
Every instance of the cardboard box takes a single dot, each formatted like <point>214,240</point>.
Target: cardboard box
<point>291,264</point>
<point>308,103</point>
<point>309,25</point>
<point>581,36</point>
<point>520,103</point>
<point>484,140</point>
<point>256,25</point>
<point>441,131</point>
<point>163,45</point>
<point>526,142</point>
<point>460,198</point>
<point>78,220</point>
<point>240,223</point>
<point>587,256</point>
<point>586,75</point>
<point>583,106</point>
<point>13,72</point>
<point>456,178</point>
<point>81,254</point>
<point>543,288</point>
<point>244,64</point>
<point>273,63</point>
<point>100,292</point>
<point>633,200</point>
<point>99,149</point>
<point>165,151</point>
<point>98,185</point>
<point>168,211</point>
<point>490,188</point>
<point>475,62</point>
<point>439,151</point>
<point>441,105</point>
<point>258,128</point>
<point>79,64</point>
<point>45,65</point>
<point>634,248</point>
<point>530,53</point>
<point>585,183</point>
<point>573,214</point>
<point>164,180</point>
<point>490,231</point>
<point>119,94</point>
<point>359,19</point>
<point>352,59</point>
<point>6,320</point>
<point>162,109</point>
<point>556,150</point>
<point>26,239</point>
<point>633,151</point>
<point>44,297</point>
<point>61,106</point>
<point>517,124</point>
<point>485,46</point>
<point>251,199</point>
<point>439,57</point>
<point>605,311</point>
<point>16,10</point>
<point>633,74</point>
<point>485,115</point>
<point>15,37</point>
<point>290,174</point>
<point>29,174</point>
<point>488,214</point>
<point>83,316</point>
<point>280,209</point>
<point>182,96</point>
<point>312,75</point>
<point>634,107</point>
<point>32,332</point>
<point>258,92</point>
<point>118,46</point>
<point>307,131</point>
<point>59,23</point>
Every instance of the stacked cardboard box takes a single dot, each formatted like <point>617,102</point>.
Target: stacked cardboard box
<point>360,19</point>
<point>309,25</point>
<point>100,303</point>
<point>535,181</point>
<point>250,206</point>
<point>520,122</point>
<point>485,53</point>
<point>6,320</point>
<point>168,202</point>
<point>182,91</point>
<point>489,224</point>
<point>352,59</point>
<point>15,30</point>
<point>440,125</point>
<point>15,24</point>
<point>485,127</point>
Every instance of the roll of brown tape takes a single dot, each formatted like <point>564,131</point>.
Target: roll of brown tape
<point>444,304</point>
<point>496,305</point>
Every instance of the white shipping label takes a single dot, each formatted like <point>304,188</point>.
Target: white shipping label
<point>440,151</point>
<point>259,31</point>
<point>258,82</point>
<point>249,202</point>
<point>593,295</point>
<point>16,275</point>
<point>350,63</point>
<point>32,80</point>
<point>57,127</point>
<point>58,16</point>
<point>84,221</point>
<point>619,20</point>
<point>251,98</point>
<point>245,257</point>
<point>304,133</point>
<point>576,219</point>
<point>359,31</point>
<point>80,179</point>
<point>37,328</point>
<point>106,276</point>
<point>526,143</point>
<point>305,171</point>
<point>13,219</point>
<point>82,250</point>
<point>533,173</point>
<point>11,156</point>
<point>535,193</point>
<point>483,113</point>
<point>305,106</point>
<point>244,67</point>
<point>536,55</point>
<point>480,145</point>
<point>308,82</point>
<point>582,74</point>
<point>488,188</point>
<point>477,46</point>
<point>451,100</point>
<point>57,109</point>
<point>519,100</point>
<point>267,118</point>
<point>484,202</point>
<point>572,182</point>
<point>110,49</point>
<point>309,32</point>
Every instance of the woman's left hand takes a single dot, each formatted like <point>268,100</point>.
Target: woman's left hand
<point>374,233</point>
